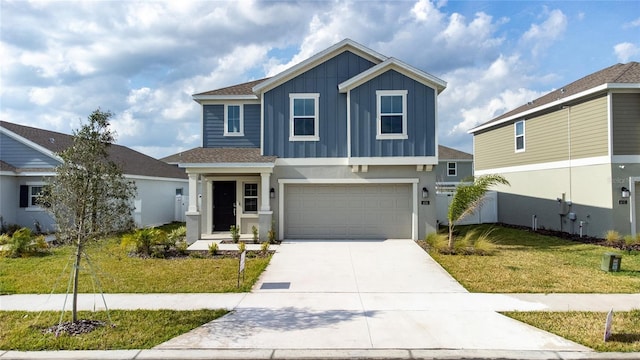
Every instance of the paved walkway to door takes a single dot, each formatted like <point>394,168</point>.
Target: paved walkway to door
<point>363,295</point>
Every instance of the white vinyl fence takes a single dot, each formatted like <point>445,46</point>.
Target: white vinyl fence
<point>486,213</point>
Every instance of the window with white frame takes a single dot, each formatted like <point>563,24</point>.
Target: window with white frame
<point>452,168</point>
<point>519,135</point>
<point>250,198</point>
<point>391,114</point>
<point>233,120</point>
<point>34,194</point>
<point>304,117</point>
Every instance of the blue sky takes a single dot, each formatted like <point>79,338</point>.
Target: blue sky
<point>144,60</point>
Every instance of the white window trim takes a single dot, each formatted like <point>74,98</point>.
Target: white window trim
<point>316,136</point>
<point>515,136</point>
<point>455,168</point>
<point>245,197</point>
<point>31,207</point>
<point>226,120</point>
<point>379,95</point>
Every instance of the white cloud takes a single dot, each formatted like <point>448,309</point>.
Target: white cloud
<point>625,51</point>
<point>541,36</point>
<point>632,24</point>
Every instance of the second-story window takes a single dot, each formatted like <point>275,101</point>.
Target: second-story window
<point>392,114</point>
<point>452,169</point>
<point>304,117</point>
<point>519,135</point>
<point>233,120</point>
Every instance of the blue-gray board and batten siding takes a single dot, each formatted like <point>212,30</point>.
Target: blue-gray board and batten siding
<point>322,79</point>
<point>213,128</point>
<point>22,156</point>
<point>420,112</point>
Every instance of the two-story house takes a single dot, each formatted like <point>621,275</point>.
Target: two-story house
<point>572,156</point>
<point>29,156</point>
<point>341,145</point>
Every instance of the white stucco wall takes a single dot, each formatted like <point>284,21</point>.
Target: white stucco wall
<point>156,199</point>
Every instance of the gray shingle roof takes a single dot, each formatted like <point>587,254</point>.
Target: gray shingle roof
<point>131,161</point>
<point>239,89</point>
<point>619,73</point>
<point>447,153</point>
<point>219,156</point>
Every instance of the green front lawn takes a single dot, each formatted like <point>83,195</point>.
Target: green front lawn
<point>120,273</point>
<point>140,329</point>
<point>527,262</point>
<point>587,328</point>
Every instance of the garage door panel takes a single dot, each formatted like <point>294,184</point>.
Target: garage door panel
<point>348,211</point>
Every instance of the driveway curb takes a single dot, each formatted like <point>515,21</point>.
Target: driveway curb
<point>311,354</point>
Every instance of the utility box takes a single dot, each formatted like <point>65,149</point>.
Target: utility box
<point>611,262</point>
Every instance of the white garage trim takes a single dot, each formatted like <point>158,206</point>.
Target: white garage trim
<point>413,181</point>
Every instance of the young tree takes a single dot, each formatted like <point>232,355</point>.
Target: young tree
<point>468,198</point>
<point>89,197</point>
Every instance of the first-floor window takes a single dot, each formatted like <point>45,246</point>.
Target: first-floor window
<point>251,198</point>
<point>29,195</point>
<point>452,169</point>
<point>34,194</point>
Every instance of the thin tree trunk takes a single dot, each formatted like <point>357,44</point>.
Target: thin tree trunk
<point>76,273</point>
<point>450,234</point>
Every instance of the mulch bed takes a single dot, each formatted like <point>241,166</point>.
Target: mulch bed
<point>73,328</point>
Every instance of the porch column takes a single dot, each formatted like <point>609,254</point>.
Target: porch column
<point>265,214</point>
<point>193,213</point>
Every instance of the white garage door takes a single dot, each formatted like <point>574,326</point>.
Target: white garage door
<point>331,211</point>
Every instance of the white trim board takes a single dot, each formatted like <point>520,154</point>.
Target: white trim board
<point>600,160</point>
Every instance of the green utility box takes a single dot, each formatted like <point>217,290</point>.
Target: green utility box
<point>611,262</point>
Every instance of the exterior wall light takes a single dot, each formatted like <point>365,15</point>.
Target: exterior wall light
<point>625,192</point>
<point>425,193</point>
<point>272,193</point>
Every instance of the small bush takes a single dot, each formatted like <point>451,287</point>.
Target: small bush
<point>181,247</point>
<point>20,243</point>
<point>254,231</point>
<point>235,233</point>
<point>148,242</point>
<point>612,237</point>
<point>4,239</point>
<point>264,248</point>
<point>241,247</point>
<point>213,249</point>
<point>437,242</point>
<point>271,234</point>
<point>178,234</point>
<point>483,245</point>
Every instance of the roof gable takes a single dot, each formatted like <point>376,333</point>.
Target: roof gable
<point>447,153</point>
<point>399,66</point>
<point>131,161</point>
<point>344,45</point>
<point>616,76</point>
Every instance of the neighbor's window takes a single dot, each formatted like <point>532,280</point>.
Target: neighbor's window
<point>34,194</point>
<point>233,120</point>
<point>519,134</point>
<point>251,198</point>
<point>392,114</point>
<point>452,169</point>
<point>304,117</point>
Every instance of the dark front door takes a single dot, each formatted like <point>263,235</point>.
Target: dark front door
<point>224,205</point>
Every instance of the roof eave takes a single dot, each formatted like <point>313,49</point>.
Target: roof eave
<point>200,98</point>
<point>30,143</point>
<point>599,88</point>
<point>314,60</point>
<point>228,165</point>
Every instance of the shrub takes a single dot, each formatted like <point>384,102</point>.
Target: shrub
<point>271,234</point>
<point>437,242</point>
<point>254,231</point>
<point>241,247</point>
<point>178,234</point>
<point>483,244</point>
<point>264,248</point>
<point>612,237</point>
<point>235,233</point>
<point>213,249</point>
<point>149,241</point>
<point>20,243</point>
<point>181,247</point>
<point>4,239</point>
<point>464,245</point>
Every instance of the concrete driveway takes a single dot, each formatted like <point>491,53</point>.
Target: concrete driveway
<point>362,295</point>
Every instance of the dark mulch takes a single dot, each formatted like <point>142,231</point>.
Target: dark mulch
<point>73,328</point>
<point>576,237</point>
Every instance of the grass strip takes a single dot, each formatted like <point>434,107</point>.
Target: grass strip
<point>527,262</point>
<point>587,328</point>
<point>139,329</point>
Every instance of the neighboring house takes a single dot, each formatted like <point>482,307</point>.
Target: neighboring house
<point>28,156</point>
<point>454,167</point>
<point>341,145</point>
<point>572,156</point>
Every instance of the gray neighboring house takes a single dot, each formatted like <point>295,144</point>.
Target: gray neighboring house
<point>28,157</point>
<point>572,156</point>
<point>342,145</point>
<point>454,166</point>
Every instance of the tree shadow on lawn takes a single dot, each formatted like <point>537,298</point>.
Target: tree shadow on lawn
<point>625,337</point>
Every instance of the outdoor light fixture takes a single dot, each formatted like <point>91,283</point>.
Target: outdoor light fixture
<point>272,193</point>
<point>425,193</point>
<point>625,192</point>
